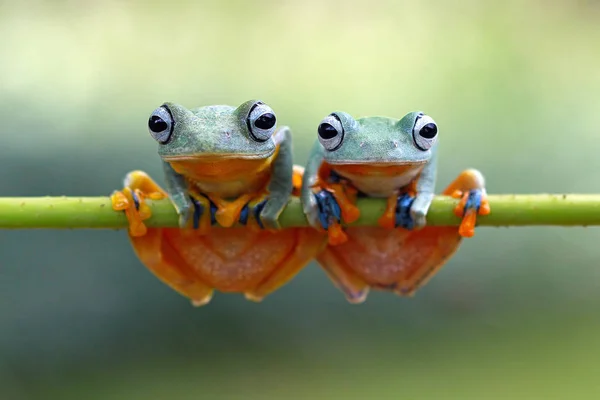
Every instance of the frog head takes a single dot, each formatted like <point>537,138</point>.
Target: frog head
<point>214,132</point>
<point>377,146</point>
<point>378,141</point>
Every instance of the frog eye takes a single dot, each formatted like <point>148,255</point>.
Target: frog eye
<point>331,132</point>
<point>425,132</point>
<point>261,122</point>
<point>161,124</point>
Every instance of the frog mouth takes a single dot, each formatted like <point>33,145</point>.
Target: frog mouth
<point>377,163</point>
<point>215,157</point>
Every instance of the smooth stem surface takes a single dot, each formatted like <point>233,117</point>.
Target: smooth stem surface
<point>96,212</point>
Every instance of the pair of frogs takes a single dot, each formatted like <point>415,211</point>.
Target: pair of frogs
<point>233,167</point>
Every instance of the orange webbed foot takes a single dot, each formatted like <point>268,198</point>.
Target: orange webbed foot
<point>228,213</point>
<point>336,205</point>
<point>345,197</point>
<point>472,203</point>
<point>132,199</point>
<point>330,217</point>
<point>336,234</point>
<point>469,188</point>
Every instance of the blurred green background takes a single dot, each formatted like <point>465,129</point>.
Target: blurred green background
<point>515,89</point>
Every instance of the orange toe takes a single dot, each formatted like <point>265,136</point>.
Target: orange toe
<point>467,226</point>
<point>136,226</point>
<point>388,218</point>
<point>156,196</point>
<point>119,201</point>
<point>350,213</point>
<point>457,194</point>
<point>460,207</point>
<point>336,234</point>
<point>387,221</point>
<point>225,218</point>
<point>485,207</point>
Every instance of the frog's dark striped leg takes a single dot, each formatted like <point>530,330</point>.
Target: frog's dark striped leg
<point>204,213</point>
<point>403,217</point>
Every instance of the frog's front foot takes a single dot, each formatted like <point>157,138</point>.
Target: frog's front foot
<point>265,214</point>
<point>265,217</point>
<point>138,187</point>
<point>256,210</point>
<point>405,210</point>
<point>403,217</point>
<point>329,215</point>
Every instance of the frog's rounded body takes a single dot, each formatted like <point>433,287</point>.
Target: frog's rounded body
<point>223,166</point>
<point>396,159</point>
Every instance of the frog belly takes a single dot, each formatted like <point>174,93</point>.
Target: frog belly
<point>390,259</point>
<point>229,260</point>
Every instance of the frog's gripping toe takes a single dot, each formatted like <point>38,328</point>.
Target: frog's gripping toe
<point>258,221</point>
<point>330,215</point>
<point>256,211</point>
<point>138,187</point>
<point>403,217</point>
<point>473,202</point>
<point>329,210</point>
<point>136,210</point>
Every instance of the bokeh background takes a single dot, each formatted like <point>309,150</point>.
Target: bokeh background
<point>515,89</point>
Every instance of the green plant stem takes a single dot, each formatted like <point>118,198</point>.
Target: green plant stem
<point>96,212</point>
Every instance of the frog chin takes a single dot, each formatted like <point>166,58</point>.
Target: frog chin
<point>355,170</point>
<point>379,179</point>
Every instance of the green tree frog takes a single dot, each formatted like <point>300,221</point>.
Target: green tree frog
<point>386,158</point>
<point>223,166</point>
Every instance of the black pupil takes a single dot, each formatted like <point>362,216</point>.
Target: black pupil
<point>428,131</point>
<point>327,131</point>
<point>157,124</point>
<point>265,121</point>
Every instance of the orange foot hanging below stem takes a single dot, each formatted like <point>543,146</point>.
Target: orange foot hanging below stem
<point>469,185</point>
<point>138,187</point>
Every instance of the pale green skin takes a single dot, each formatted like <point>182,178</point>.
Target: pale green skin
<point>202,131</point>
<point>375,140</point>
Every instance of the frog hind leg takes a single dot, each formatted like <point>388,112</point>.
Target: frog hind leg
<point>307,245</point>
<point>137,187</point>
<point>440,243</point>
<point>162,259</point>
